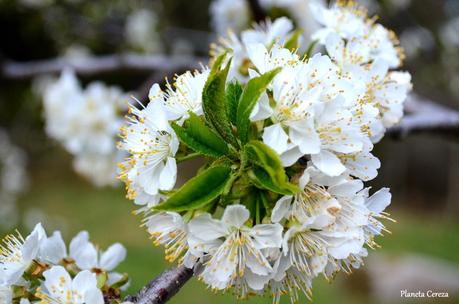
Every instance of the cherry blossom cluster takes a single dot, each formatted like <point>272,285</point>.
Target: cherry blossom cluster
<point>40,269</point>
<point>86,123</point>
<point>286,137</point>
<point>231,17</point>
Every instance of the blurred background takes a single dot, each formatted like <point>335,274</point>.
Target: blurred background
<point>38,181</point>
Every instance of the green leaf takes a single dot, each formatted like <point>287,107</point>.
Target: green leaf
<point>213,100</point>
<point>199,137</point>
<point>198,191</point>
<point>252,92</point>
<point>262,180</point>
<point>269,171</point>
<point>310,49</point>
<point>262,155</point>
<point>255,201</point>
<point>233,94</point>
<point>293,42</point>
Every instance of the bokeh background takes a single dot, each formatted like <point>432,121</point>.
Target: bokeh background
<point>422,170</point>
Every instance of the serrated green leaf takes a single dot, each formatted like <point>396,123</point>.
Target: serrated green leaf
<point>262,155</point>
<point>251,94</point>
<point>293,41</point>
<point>263,180</point>
<point>267,162</point>
<point>233,94</point>
<point>198,191</point>
<point>213,100</point>
<point>200,138</point>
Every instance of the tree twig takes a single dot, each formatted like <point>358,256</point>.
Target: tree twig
<point>99,64</point>
<point>258,12</point>
<point>162,288</point>
<point>425,116</point>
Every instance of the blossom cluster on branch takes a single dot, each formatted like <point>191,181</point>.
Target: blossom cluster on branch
<point>86,122</point>
<point>39,269</point>
<point>287,136</point>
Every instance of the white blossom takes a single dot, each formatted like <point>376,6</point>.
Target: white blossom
<point>59,287</point>
<point>86,122</point>
<point>17,254</point>
<point>141,31</point>
<point>234,249</point>
<point>170,230</point>
<point>152,145</point>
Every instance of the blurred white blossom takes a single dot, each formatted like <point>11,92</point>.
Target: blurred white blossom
<point>142,31</point>
<point>86,122</point>
<point>13,179</point>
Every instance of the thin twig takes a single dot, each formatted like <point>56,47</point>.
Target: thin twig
<point>258,12</point>
<point>100,64</point>
<point>425,116</point>
<point>163,287</point>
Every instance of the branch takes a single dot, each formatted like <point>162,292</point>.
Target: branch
<point>99,64</point>
<point>258,12</point>
<point>425,116</point>
<point>164,287</point>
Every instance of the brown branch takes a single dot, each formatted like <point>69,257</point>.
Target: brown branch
<point>425,116</point>
<point>258,12</point>
<point>164,287</point>
<point>99,64</point>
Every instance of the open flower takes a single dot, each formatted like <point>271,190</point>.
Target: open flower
<point>350,22</point>
<point>87,256</point>
<point>170,230</point>
<point>152,145</point>
<point>234,249</point>
<point>59,287</point>
<point>263,36</point>
<point>184,96</point>
<point>17,254</point>
<point>84,253</point>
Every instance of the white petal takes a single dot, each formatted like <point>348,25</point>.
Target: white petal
<point>255,281</point>
<point>303,134</point>
<point>58,277</point>
<point>94,296</point>
<point>262,109</point>
<point>328,163</point>
<point>304,179</point>
<point>281,209</point>
<point>78,241</point>
<point>86,256</point>
<point>379,201</point>
<point>258,264</point>
<point>205,228</point>
<point>267,235</point>
<point>346,189</point>
<point>53,248</point>
<point>275,137</point>
<point>291,156</point>
<point>84,281</point>
<point>168,175</point>
<point>111,258</point>
<point>257,54</point>
<point>235,215</point>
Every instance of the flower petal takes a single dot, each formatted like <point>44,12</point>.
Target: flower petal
<point>112,257</point>
<point>328,163</point>
<point>235,215</point>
